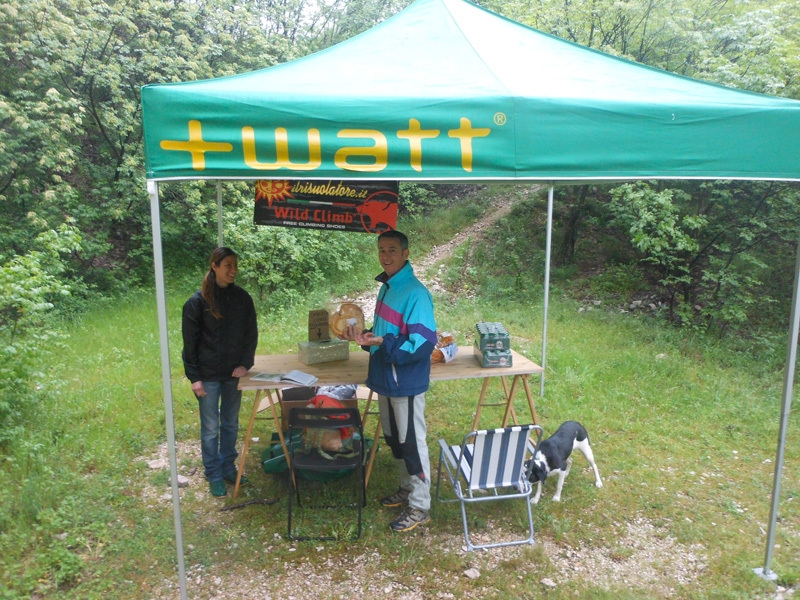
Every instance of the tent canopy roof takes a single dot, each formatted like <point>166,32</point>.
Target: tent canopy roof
<point>446,90</point>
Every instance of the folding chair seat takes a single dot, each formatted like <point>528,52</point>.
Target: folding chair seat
<point>489,465</point>
<point>320,465</point>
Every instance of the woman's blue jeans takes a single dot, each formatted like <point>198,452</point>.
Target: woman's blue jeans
<point>219,427</point>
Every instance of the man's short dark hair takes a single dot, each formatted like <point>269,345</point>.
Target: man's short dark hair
<point>393,234</point>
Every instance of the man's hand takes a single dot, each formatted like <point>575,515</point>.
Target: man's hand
<point>365,338</point>
<point>368,339</point>
<point>350,332</point>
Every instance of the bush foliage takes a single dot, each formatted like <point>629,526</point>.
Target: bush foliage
<point>30,284</point>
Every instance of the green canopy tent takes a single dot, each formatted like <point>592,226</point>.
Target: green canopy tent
<point>447,91</point>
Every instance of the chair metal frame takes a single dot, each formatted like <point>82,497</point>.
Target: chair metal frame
<point>497,461</point>
<point>313,460</point>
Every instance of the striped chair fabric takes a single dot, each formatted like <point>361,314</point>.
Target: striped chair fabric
<point>495,459</point>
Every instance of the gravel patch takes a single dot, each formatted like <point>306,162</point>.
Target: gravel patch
<point>643,557</point>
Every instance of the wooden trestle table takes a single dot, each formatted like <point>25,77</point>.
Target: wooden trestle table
<point>354,371</point>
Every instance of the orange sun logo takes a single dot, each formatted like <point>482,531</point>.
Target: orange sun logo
<point>272,191</point>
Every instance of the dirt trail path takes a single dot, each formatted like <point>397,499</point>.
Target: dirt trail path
<point>477,231</point>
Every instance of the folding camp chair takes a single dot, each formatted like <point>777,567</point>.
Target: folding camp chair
<point>318,463</point>
<point>491,461</point>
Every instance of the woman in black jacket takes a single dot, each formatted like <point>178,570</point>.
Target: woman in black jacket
<point>220,336</point>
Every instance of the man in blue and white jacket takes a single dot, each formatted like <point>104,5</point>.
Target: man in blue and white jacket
<point>400,343</point>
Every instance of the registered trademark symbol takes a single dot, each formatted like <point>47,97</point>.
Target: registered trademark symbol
<point>500,119</point>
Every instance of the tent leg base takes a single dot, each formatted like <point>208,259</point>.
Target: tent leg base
<point>769,575</point>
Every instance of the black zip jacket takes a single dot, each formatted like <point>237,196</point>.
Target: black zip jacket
<point>213,348</point>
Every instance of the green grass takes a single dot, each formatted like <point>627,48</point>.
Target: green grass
<point>684,432</point>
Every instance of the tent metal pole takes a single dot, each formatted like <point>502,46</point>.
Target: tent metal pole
<point>788,383</point>
<point>219,213</point>
<point>166,377</point>
<point>546,283</point>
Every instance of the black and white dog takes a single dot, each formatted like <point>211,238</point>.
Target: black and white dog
<point>552,456</point>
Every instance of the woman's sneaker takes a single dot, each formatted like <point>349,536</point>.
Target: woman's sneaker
<point>218,488</point>
<point>409,519</point>
<point>399,498</point>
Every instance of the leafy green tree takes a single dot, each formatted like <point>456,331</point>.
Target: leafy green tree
<point>29,285</point>
<point>343,19</point>
<point>753,46</point>
<point>418,199</point>
<point>70,130</point>
<point>722,251</point>
<point>660,234</point>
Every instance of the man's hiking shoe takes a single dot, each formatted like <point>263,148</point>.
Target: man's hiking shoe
<point>231,478</point>
<point>218,488</point>
<point>409,519</point>
<point>399,498</point>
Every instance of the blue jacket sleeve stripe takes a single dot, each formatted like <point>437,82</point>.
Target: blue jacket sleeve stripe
<point>423,331</point>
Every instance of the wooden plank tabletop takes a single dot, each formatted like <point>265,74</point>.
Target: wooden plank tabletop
<point>354,370</point>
